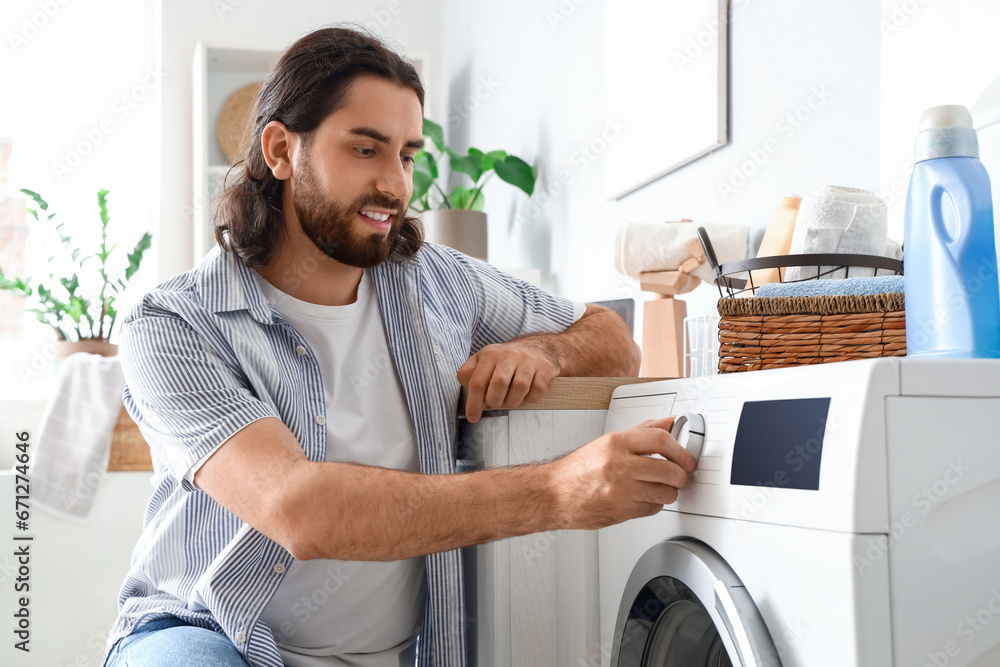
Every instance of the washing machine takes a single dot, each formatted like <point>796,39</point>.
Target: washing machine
<point>842,514</point>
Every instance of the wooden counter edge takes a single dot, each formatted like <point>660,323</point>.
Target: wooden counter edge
<point>566,393</point>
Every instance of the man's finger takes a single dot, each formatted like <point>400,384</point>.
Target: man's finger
<point>465,372</point>
<point>666,423</point>
<point>659,471</point>
<point>657,440</point>
<point>657,494</point>
<point>520,385</point>
<point>478,383</point>
<point>503,373</point>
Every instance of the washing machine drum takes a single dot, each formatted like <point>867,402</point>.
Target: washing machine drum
<point>685,607</point>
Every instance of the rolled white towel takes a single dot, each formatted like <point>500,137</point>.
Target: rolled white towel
<point>661,246</point>
<point>839,220</point>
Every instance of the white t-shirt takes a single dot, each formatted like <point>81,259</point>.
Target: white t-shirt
<point>330,612</point>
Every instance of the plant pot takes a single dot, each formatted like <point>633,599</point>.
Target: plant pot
<point>462,230</point>
<point>101,347</point>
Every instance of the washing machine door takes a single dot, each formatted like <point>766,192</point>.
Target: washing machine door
<point>684,606</point>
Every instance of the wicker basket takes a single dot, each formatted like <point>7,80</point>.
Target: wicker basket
<point>757,333</point>
<point>760,333</point>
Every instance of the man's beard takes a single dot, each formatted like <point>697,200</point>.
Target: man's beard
<point>330,225</point>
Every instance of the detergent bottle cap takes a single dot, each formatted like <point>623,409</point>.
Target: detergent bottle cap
<point>946,131</point>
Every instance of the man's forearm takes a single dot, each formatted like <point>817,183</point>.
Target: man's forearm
<point>353,512</point>
<point>599,344</point>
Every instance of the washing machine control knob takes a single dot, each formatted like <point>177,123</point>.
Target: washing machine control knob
<point>689,431</point>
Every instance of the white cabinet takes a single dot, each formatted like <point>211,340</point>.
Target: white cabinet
<point>532,600</point>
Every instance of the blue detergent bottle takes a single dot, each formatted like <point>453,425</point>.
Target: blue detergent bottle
<point>950,260</point>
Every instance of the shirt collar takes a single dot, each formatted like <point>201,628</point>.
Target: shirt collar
<point>227,284</point>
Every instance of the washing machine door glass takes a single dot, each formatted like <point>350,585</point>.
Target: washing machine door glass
<point>669,627</point>
<point>684,606</point>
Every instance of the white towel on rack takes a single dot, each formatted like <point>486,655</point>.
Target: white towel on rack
<point>839,220</point>
<point>661,246</point>
<point>74,443</point>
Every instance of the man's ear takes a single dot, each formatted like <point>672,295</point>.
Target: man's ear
<point>279,146</point>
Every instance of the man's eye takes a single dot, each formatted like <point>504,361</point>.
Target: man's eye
<point>407,159</point>
<point>364,151</point>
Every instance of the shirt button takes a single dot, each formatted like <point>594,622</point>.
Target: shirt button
<point>320,419</point>
<point>279,568</point>
<point>300,350</point>
<point>437,350</point>
<point>241,637</point>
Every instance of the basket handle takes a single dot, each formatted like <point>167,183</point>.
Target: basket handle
<point>706,244</point>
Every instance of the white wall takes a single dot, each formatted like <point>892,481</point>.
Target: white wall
<point>542,62</point>
<point>253,24</point>
<point>933,53</point>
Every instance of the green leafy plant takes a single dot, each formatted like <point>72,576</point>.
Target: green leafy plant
<point>57,299</point>
<point>477,165</point>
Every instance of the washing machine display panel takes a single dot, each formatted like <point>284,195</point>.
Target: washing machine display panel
<point>780,443</point>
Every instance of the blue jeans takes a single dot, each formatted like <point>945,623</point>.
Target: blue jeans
<point>168,642</point>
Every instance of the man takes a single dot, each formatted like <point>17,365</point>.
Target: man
<point>305,512</point>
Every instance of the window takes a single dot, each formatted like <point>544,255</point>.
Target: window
<point>79,103</point>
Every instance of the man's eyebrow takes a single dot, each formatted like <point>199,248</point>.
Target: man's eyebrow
<point>372,133</point>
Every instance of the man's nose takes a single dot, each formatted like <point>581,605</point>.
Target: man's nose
<point>394,181</point>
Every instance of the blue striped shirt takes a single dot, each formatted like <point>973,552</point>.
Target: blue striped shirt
<point>204,355</point>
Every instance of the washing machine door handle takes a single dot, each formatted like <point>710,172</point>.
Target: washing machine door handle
<point>695,567</point>
<point>728,608</point>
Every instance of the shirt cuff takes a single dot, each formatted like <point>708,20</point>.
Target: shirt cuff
<point>579,307</point>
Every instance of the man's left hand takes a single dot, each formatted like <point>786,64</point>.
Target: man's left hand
<point>504,375</point>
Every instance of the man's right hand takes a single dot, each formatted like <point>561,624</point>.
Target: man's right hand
<point>613,478</point>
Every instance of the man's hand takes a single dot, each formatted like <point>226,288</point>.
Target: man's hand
<point>504,375</point>
<point>508,374</point>
<point>612,479</point>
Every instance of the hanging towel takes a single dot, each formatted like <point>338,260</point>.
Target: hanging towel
<point>74,442</point>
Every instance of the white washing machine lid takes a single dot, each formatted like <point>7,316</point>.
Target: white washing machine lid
<point>717,588</point>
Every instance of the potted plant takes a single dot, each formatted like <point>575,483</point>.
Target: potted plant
<point>456,218</point>
<point>82,323</point>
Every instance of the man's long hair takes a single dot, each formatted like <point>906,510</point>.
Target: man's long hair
<point>307,84</point>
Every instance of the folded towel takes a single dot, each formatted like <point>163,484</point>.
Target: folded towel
<point>74,442</point>
<point>841,220</point>
<point>665,246</point>
<point>871,285</point>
